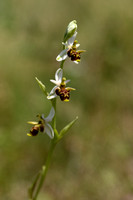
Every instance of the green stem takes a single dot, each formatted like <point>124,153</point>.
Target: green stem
<point>62,63</point>
<point>45,169</point>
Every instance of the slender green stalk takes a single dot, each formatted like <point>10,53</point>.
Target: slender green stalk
<point>45,169</point>
<point>62,63</point>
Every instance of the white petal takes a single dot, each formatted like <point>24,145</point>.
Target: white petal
<point>52,96</point>
<point>52,91</point>
<point>55,82</point>
<point>76,62</point>
<point>50,116</point>
<point>70,41</point>
<point>62,55</point>
<point>77,45</point>
<point>49,131</point>
<point>67,81</point>
<point>58,75</point>
<point>42,116</point>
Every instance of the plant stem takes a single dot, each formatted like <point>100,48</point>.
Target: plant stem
<point>45,169</point>
<point>62,63</point>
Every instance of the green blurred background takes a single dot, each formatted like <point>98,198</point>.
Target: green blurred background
<point>95,160</point>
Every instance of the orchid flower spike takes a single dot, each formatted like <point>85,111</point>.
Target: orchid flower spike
<point>43,125</point>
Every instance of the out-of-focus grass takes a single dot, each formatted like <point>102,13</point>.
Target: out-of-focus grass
<point>94,161</point>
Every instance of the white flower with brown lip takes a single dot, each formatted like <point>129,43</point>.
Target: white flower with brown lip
<point>60,89</point>
<point>69,44</point>
<point>43,125</point>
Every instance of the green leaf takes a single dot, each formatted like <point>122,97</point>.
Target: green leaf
<point>42,86</point>
<point>66,128</point>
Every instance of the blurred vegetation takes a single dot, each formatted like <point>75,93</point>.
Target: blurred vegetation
<point>94,161</point>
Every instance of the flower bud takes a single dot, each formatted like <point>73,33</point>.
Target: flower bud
<point>71,29</point>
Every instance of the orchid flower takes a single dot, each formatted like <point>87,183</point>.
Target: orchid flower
<point>60,89</point>
<point>70,50</point>
<point>43,125</point>
<point>68,45</point>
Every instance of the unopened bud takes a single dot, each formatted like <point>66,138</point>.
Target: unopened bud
<point>71,29</point>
